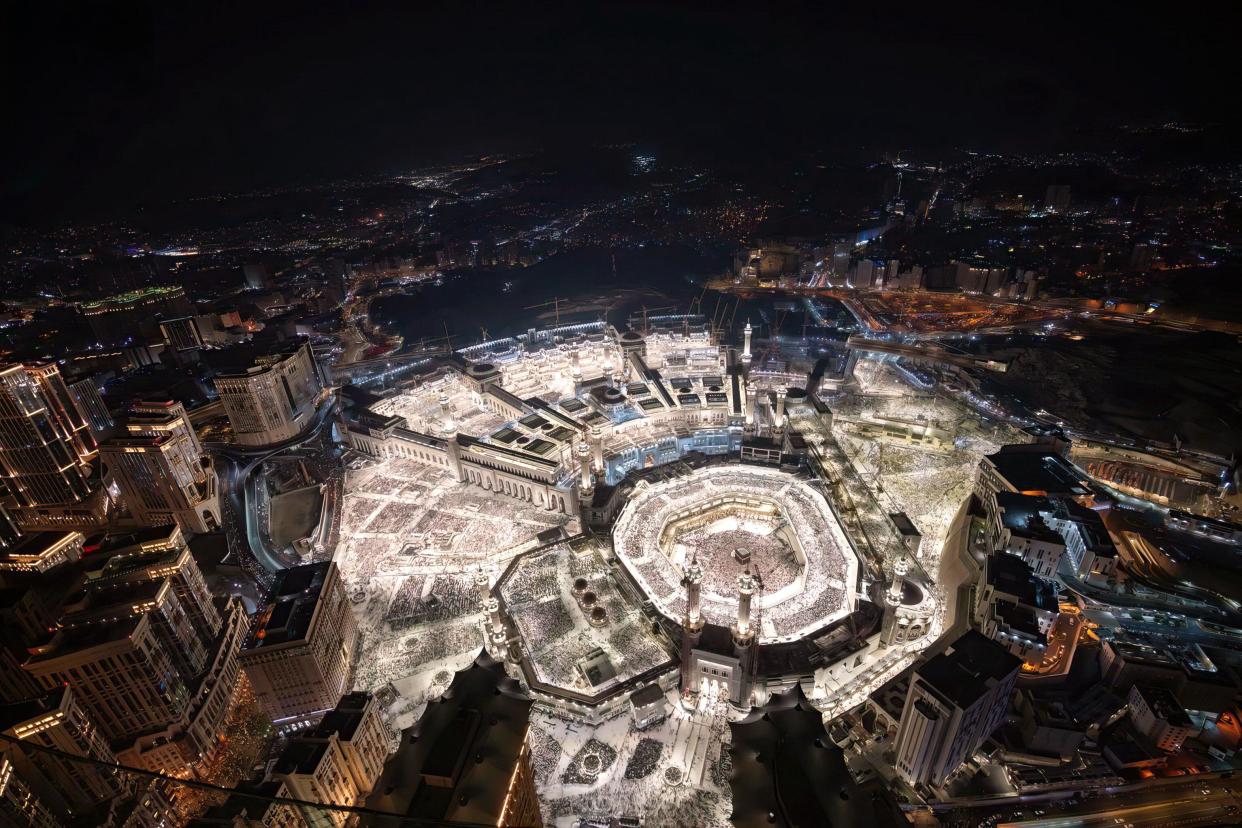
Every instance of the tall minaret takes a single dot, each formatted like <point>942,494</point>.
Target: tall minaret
<point>608,370</point>
<point>482,582</point>
<point>586,483</point>
<point>597,449</point>
<point>746,332</point>
<point>900,567</point>
<point>575,369</point>
<point>779,425</point>
<point>745,640</point>
<point>742,631</point>
<point>447,424</point>
<point>750,405</point>
<point>694,587</point>
<point>691,627</point>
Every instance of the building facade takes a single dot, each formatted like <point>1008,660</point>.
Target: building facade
<point>161,471</point>
<point>955,701</point>
<point>273,399</point>
<point>300,649</point>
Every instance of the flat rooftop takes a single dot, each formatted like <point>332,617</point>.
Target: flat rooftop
<point>971,666</point>
<point>1035,472</point>
<point>291,606</point>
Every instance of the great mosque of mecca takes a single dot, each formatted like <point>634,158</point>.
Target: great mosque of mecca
<point>662,512</point>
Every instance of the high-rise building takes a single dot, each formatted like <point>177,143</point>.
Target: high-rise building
<point>301,645</point>
<point>182,333</point>
<point>19,805</point>
<point>161,471</point>
<point>116,562</point>
<point>46,452</point>
<point>57,721</point>
<point>955,701</point>
<point>146,651</point>
<point>90,405</point>
<point>41,552</point>
<point>269,397</point>
<point>338,761</point>
<point>467,759</point>
<point>358,726</point>
<point>10,534</point>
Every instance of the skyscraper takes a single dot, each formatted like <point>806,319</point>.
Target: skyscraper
<point>955,701</point>
<point>147,653</point>
<point>269,397</point>
<point>90,405</point>
<point>161,471</point>
<point>46,451</point>
<point>301,645</point>
<point>57,720</point>
<point>182,333</point>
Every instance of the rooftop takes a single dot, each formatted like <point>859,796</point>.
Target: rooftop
<point>456,762</point>
<point>1010,575</point>
<point>1164,705</point>
<point>1039,472</point>
<point>1020,515</point>
<point>15,713</point>
<point>788,772</point>
<point>971,666</point>
<point>291,606</point>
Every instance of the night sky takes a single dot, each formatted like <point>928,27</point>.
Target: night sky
<point>113,105</point>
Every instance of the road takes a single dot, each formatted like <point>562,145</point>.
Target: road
<point>1208,799</point>
<point>235,466</point>
<point>1218,807</point>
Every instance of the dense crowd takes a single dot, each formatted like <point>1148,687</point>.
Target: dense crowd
<point>741,507</point>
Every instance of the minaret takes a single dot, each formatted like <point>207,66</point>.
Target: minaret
<point>608,370</point>
<point>746,332</point>
<point>448,427</point>
<point>691,627</point>
<point>779,425</point>
<point>586,483</point>
<point>498,625</point>
<point>575,369</point>
<point>745,639</point>
<point>750,405</point>
<point>694,587</point>
<point>900,567</point>
<point>745,590</point>
<point>891,627</point>
<point>597,449</point>
<point>447,424</point>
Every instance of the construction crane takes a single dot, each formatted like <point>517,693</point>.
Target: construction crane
<point>646,309</point>
<point>556,303</point>
<point>696,304</point>
<point>773,343</point>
